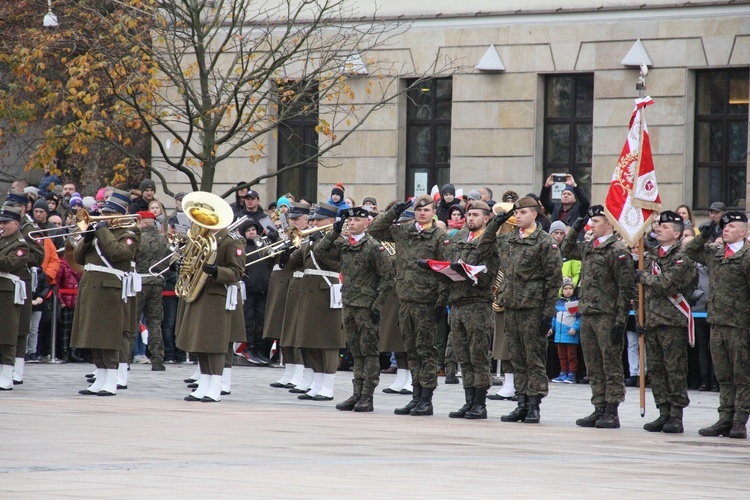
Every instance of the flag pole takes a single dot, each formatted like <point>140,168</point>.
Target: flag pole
<point>641,88</point>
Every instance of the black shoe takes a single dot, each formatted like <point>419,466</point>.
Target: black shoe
<point>298,391</point>
<point>519,413</point>
<point>252,358</point>
<point>451,378</point>
<point>305,397</point>
<point>120,387</point>
<point>364,404</point>
<point>533,416</point>
<point>190,397</point>
<point>610,419</point>
<point>424,407</point>
<point>405,391</point>
<point>739,431</point>
<point>388,390</point>
<point>17,382</point>
<point>720,428</point>
<point>277,385</point>
<point>206,399</point>
<point>657,425</point>
<point>348,405</point>
<point>225,393</point>
<point>322,398</point>
<point>469,394</point>
<point>289,386</point>
<point>193,385</point>
<point>91,380</point>
<point>158,366</point>
<point>498,397</point>
<point>591,420</point>
<point>632,381</point>
<point>86,392</point>
<point>190,381</point>
<point>105,393</point>
<point>416,394</point>
<point>262,358</point>
<point>479,410</point>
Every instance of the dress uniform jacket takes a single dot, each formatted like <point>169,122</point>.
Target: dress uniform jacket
<point>313,324</point>
<point>206,324</point>
<point>100,315</point>
<point>278,286</point>
<point>14,258</point>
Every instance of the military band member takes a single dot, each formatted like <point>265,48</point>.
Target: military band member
<point>729,316</point>
<point>276,308</point>
<point>368,278</point>
<point>607,288</point>
<point>20,200</point>
<point>667,276</point>
<point>107,254</point>
<point>14,258</point>
<point>314,325</point>
<point>206,325</point>
<point>423,295</point>
<point>471,318</point>
<point>533,276</point>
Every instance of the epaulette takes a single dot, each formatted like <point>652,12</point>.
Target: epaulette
<point>22,239</point>
<point>236,236</point>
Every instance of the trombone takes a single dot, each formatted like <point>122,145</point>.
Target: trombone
<point>295,239</point>
<point>83,220</point>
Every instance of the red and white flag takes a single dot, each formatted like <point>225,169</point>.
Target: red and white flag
<point>572,306</point>
<point>460,272</point>
<point>633,195</point>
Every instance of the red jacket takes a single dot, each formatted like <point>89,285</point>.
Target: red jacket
<point>67,279</point>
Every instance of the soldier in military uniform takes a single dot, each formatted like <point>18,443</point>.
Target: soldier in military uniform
<point>154,247</point>
<point>14,258</point>
<point>667,276</point>
<point>20,200</point>
<point>368,278</point>
<point>107,253</point>
<point>208,322</point>
<point>423,295</point>
<point>471,319</point>
<point>314,326</point>
<point>532,279</point>
<point>276,304</point>
<point>729,317</point>
<point>607,288</point>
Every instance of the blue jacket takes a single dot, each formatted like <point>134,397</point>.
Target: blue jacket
<point>341,205</point>
<point>563,321</point>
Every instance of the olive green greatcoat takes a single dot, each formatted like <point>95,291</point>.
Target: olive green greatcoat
<point>315,324</point>
<point>36,257</point>
<point>276,302</point>
<point>100,315</point>
<point>390,333</point>
<point>206,324</point>
<point>14,258</point>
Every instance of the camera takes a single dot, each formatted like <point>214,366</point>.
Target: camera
<point>559,177</point>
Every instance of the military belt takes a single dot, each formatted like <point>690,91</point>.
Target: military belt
<point>19,296</point>
<point>317,272</point>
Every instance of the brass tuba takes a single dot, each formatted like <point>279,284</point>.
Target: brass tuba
<point>208,213</point>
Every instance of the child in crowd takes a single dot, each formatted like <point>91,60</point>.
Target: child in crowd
<point>337,198</point>
<point>456,219</point>
<point>566,327</point>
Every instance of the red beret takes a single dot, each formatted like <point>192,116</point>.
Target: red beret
<point>145,214</point>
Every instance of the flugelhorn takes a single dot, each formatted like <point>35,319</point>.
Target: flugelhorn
<point>83,220</point>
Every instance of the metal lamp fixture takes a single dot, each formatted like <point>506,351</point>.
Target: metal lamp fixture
<point>50,19</point>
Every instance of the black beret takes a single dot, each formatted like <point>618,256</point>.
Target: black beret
<point>669,216</point>
<point>732,217</point>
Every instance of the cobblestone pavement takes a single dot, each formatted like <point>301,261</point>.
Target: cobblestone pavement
<point>263,442</point>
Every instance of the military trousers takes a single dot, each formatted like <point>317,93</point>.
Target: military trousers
<point>362,336</point>
<point>730,352</point>
<point>151,306</point>
<point>472,328</point>
<point>667,348</point>
<point>603,357</point>
<point>417,323</point>
<point>105,359</point>
<point>7,354</point>
<point>211,363</point>
<point>528,351</point>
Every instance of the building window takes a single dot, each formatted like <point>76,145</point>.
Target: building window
<point>568,126</point>
<point>298,143</point>
<point>428,135</point>
<point>720,163</point>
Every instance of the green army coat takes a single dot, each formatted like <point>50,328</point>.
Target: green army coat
<point>276,302</point>
<point>100,314</point>
<point>729,282</point>
<point>678,275</point>
<point>206,324</point>
<point>412,283</point>
<point>533,274</point>
<point>312,324</point>
<point>154,247</point>
<point>14,258</point>
<point>607,275</point>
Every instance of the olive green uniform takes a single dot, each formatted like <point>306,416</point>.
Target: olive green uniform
<point>14,259</point>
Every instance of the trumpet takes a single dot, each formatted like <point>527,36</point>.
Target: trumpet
<point>296,238</point>
<point>83,220</point>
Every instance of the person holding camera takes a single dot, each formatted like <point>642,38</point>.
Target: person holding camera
<point>573,201</point>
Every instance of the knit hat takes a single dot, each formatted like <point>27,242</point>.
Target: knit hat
<point>448,189</point>
<point>558,225</point>
<point>570,188</point>
<point>75,199</point>
<point>283,201</point>
<point>88,202</point>
<point>100,194</point>
<point>41,203</point>
<point>370,199</point>
<point>147,184</point>
<point>31,190</point>
<point>474,194</point>
<point>456,208</point>
<point>146,214</point>
<point>338,189</point>
<point>568,281</point>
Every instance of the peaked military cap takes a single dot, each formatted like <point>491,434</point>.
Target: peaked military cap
<point>325,211</point>
<point>9,213</point>
<point>17,196</point>
<point>732,217</point>
<point>298,210</point>
<point>118,202</point>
